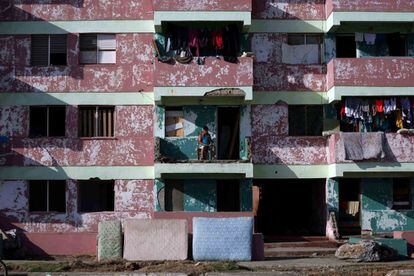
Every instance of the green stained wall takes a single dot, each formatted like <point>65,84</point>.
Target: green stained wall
<point>179,148</point>
<point>332,195</point>
<point>200,195</point>
<point>376,204</point>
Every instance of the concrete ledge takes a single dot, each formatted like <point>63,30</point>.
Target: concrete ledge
<point>337,92</point>
<point>203,170</point>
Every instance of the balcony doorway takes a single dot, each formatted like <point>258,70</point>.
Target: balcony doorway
<point>228,133</point>
<point>349,207</point>
<point>290,208</point>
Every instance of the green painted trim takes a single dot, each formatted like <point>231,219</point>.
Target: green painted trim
<point>368,169</point>
<point>337,92</point>
<point>77,98</point>
<point>52,173</point>
<point>287,26</point>
<point>335,19</point>
<point>203,170</point>
<point>163,95</point>
<point>290,97</point>
<point>87,26</point>
<point>190,16</point>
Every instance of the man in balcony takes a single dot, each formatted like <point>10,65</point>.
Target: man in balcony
<point>204,143</point>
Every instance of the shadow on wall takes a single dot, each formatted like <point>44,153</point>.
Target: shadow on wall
<point>288,9</point>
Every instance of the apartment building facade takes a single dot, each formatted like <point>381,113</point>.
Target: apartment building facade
<point>102,104</point>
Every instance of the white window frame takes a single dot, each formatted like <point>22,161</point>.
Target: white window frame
<point>98,50</point>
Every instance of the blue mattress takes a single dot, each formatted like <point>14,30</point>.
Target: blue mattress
<point>220,239</point>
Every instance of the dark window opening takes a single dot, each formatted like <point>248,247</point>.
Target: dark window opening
<point>228,196</point>
<point>47,196</point>
<point>47,121</point>
<point>349,206</point>
<point>305,120</point>
<point>228,135</point>
<point>345,46</point>
<point>397,45</point>
<point>174,196</point>
<point>401,194</point>
<point>96,121</point>
<point>96,195</point>
<point>48,50</point>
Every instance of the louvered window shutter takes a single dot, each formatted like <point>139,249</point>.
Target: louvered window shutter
<point>88,48</point>
<point>39,50</point>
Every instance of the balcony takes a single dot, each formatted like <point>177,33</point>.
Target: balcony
<point>194,80</point>
<point>358,76</point>
<point>397,149</point>
<point>202,10</point>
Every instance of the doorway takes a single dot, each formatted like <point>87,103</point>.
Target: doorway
<point>291,207</point>
<point>349,206</point>
<point>345,46</point>
<point>228,133</point>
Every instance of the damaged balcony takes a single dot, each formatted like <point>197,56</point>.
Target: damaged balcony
<point>180,149</point>
<point>201,10</point>
<point>374,76</point>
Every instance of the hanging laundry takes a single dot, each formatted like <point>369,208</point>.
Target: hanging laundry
<point>399,119</point>
<point>379,106</point>
<point>359,37</point>
<point>218,42</point>
<point>370,38</point>
<point>390,105</point>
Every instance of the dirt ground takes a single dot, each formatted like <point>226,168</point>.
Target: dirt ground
<point>82,264</point>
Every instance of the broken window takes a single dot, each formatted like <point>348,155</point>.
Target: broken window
<point>303,49</point>
<point>47,121</point>
<point>96,195</point>
<point>97,48</point>
<point>401,193</point>
<point>228,196</point>
<point>305,120</point>
<point>174,122</point>
<point>346,46</point>
<point>47,196</point>
<point>48,50</point>
<point>96,121</point>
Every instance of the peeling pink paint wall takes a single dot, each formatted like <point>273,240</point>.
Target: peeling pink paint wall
<point>270,74</point>
<point>202,5</point>
<point>17,10</point>
<point>387,71</point>
<point>132,73</point>
<point>133,199</point>
<point>372,5</point>
<point>289,9</point>
<point>215,72</point>
<point>132,146</point>
<point>272,145</point>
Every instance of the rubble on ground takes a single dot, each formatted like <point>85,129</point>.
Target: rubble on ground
<point>366,251</point>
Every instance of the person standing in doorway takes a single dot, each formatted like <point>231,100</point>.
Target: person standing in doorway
<point>204,142</point>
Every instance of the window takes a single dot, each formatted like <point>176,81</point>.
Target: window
<point>96,195</point>
<point>302,49</point>
<point>97,48</point>
<point>48,50</point>
<point>346,46</point>
<point>228,196</point>
<point>96,121</point>
<point>305,120</point>
<point>47,196</point>
<point>47,121</point>
<point>401,194</point>
<point>174,122</point>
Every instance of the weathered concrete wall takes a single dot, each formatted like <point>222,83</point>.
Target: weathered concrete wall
<point>397,148</point>
<point>132,72</point>
<point>369,6</point>
<point>132,146</point>
<point>387,71</point>
<point>75,10</point>
<point>272,145</point>
<point>270,74</point>
<point>376,204</point>
<point>133,199</point>
<point>202,5</point>
<point>215,72</point>
<point>289,9</point>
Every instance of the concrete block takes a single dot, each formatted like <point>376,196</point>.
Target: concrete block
<point>222,239</point>
<point>155,239</point>
<point>400,245</point>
